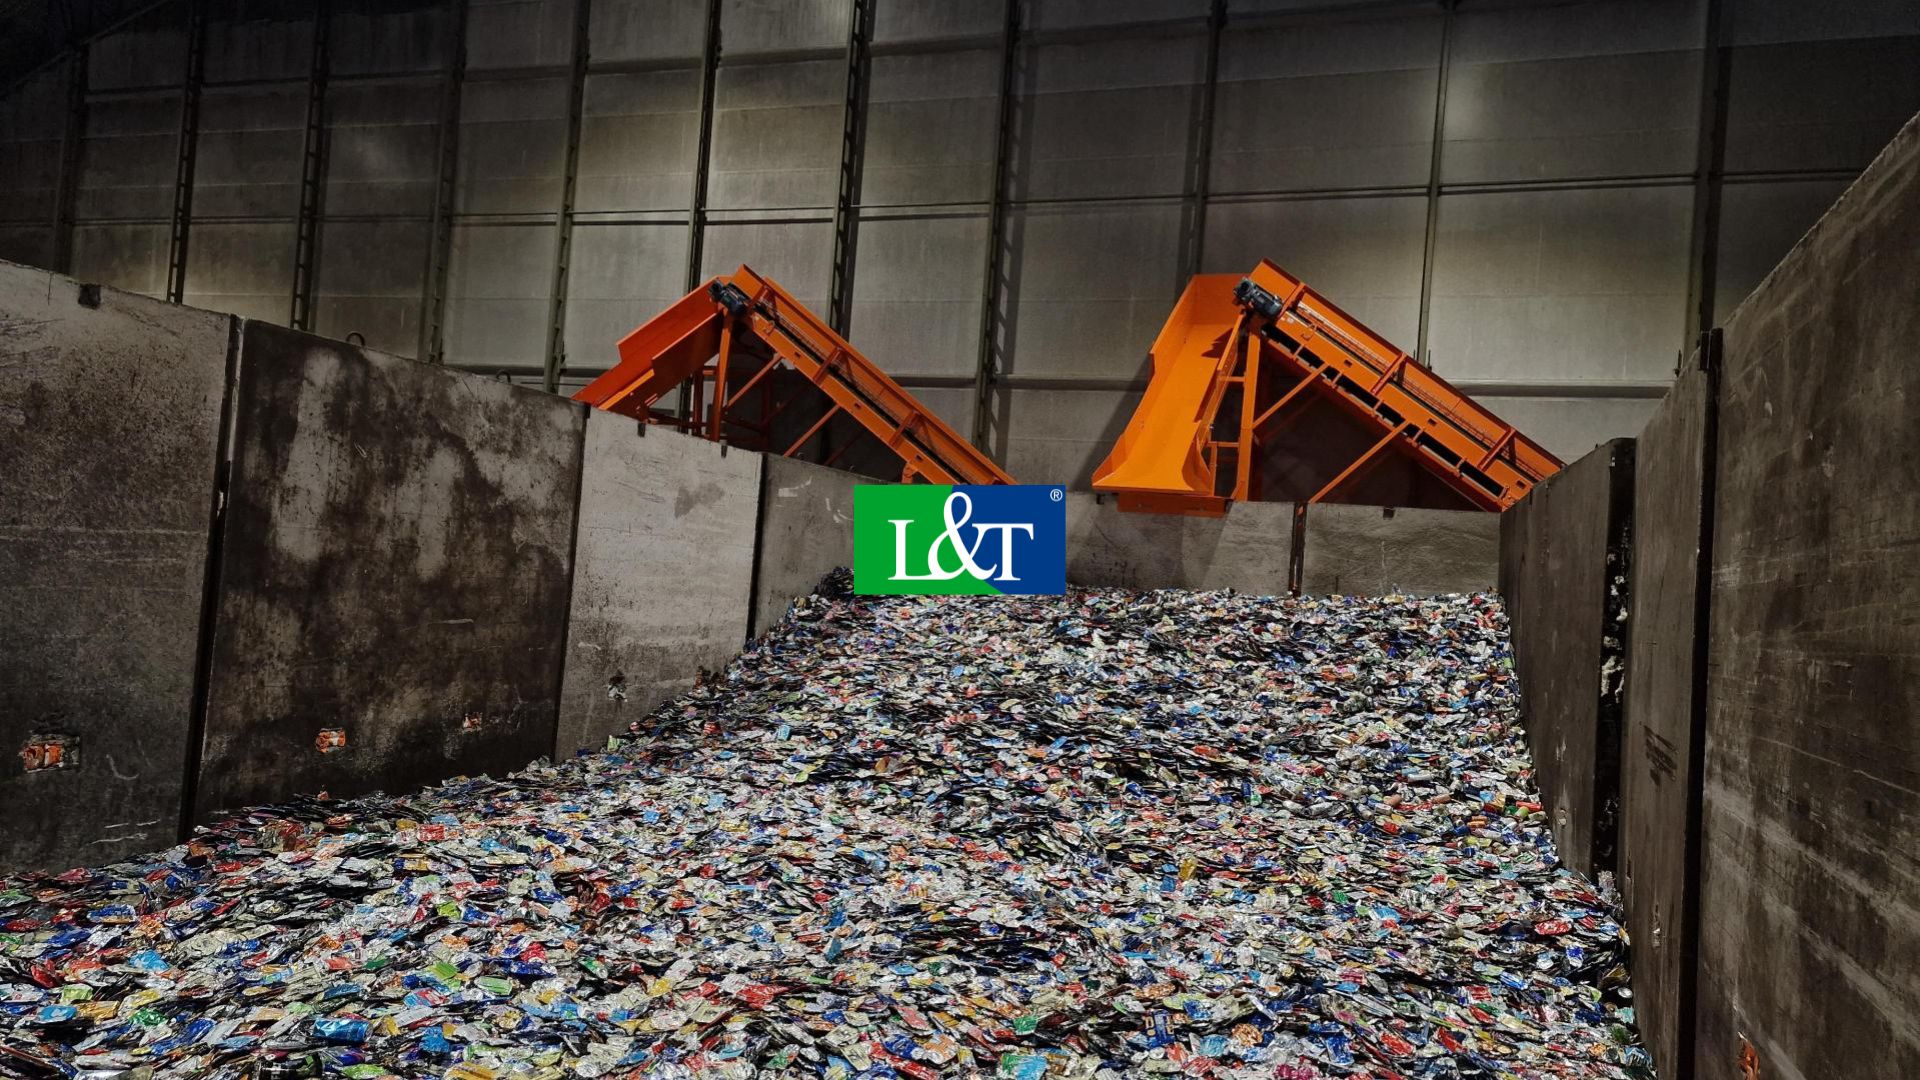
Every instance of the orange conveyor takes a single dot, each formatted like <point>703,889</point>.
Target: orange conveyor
<point>1174,454</point>
<point>725,340</point>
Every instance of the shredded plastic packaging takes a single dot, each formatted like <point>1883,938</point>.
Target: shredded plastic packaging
<point>1101,835</point>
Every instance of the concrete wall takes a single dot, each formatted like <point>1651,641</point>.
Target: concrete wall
<point>396,561</point>
<point>1374,550</point>
<point>806,531</point>
<point>1768,788</point>
<point>394,564</point>
<point>1561,173</point>
<point>662,573</point>
<point>1249,550</point>
<point>1810,891</point>
<point>1660,758</point>
<point>109,430</point>
<point>1564,566</point>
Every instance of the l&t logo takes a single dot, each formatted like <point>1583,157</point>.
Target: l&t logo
<point>932,539</point>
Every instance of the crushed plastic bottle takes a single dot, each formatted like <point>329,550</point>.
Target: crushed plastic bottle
<point>1102,835</point>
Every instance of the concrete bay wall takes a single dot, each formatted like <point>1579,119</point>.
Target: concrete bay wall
<point>393,567</point>
<point>242,563</point>
<point>661,582</point>
<point>1377,550</point>
<point>1250,549</point>
<point>806,531</point>
<point>110,418</point>
<point>1769,787</point>
<point>1810,873</point>
<point>1665,715</point>
<point>1564,562</point>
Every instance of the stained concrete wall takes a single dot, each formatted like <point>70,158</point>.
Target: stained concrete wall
<point>109,430</point>
<point>1810,929</point>
<point>662,576</point>
<point>1248,550</point>
<point>1665,716</point>
<point>806,530</point>
<point>1365,550</point>
<point>393,563</point>
<point>1375,550</point>
<point>1563,572</point>
<point>440,573</point>
<point>1770,774</point>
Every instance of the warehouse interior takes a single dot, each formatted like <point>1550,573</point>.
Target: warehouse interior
<point>1482,433</point>
<point>1544,201</point>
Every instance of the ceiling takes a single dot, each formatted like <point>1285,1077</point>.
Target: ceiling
<point>35,31</point>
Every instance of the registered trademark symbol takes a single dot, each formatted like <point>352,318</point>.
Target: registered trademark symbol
<point>1056,494</point>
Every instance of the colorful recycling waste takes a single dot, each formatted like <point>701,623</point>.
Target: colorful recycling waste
<point>1101,835</point>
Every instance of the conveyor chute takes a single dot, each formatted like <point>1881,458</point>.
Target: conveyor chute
<point>724,343</point>
<point>1239,354</point>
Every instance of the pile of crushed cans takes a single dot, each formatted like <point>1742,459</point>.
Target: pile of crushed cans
<point>1101,835</point>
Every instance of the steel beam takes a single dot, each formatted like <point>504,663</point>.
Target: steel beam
<point>853,133</point>
<point>1703,264</point>
<point>1420,351</point>
<point>702,165</point>
<point>1193,256</point>
<point>433,298</point>
<point>986,372</point>
<point>1359,466</point>
<point>569,181</point>
<point>703,150</point>
<point>313,174</point>
<point>72,138</point>
<point>188,150</point>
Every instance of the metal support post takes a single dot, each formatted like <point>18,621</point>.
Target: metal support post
<point>433,299</point>
<point>188,148</point>
<point>1703,264</point>
<point>1433,180</point>
<point>72,137</point>
<point>1192,257</point>
<point>703,150</point>
<point>569,181</point>
<point>986,373</point>
<point>853,128</point>
<point>313,174</point>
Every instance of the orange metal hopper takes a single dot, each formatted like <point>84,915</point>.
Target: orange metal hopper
<point>725,340</point>
<point>1213,350</point>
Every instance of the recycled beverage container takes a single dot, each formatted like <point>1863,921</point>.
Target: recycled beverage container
<point>286,1061</point>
